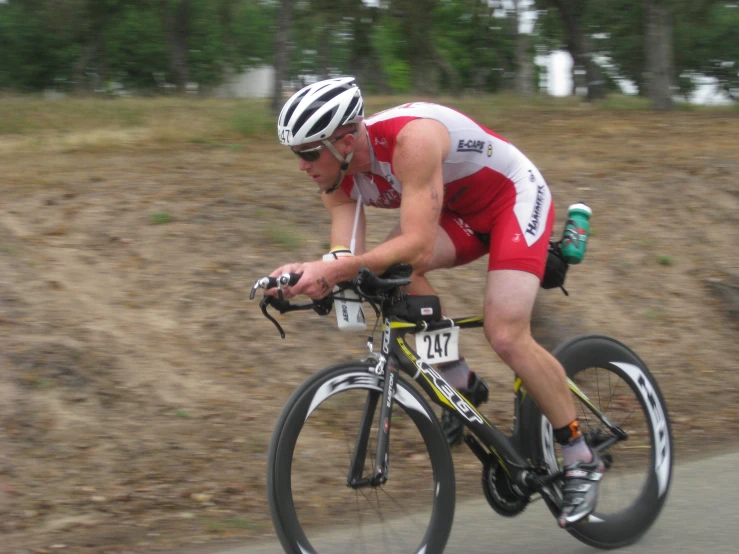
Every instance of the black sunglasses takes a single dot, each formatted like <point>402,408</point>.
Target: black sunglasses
<point>312,154</point>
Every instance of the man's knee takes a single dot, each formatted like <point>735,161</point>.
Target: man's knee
<point>507,338</point>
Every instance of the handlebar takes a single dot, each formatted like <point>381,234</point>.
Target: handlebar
<point>368,286</point>
<point>286,279</point>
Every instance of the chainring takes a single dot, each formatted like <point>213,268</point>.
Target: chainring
<point>499,491</point>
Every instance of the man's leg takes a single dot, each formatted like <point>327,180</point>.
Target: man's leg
<point>509,302</point>
<point>444,256</point>
<point>448,253</point>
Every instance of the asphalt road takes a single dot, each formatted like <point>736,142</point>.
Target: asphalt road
<point>701,516</point>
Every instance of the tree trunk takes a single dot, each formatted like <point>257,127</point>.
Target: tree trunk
<point>416,26</point>
<point>363,58</point>
<point>226,20</point>
<point>579,75</point>
<point>447,69</point>
<point>579,47</point>
<point>659,54</point>
<point>324,31</point>
<point>281,43</point>
<point>89,53</point>
<point>524,63</point>
<point>176,23</point>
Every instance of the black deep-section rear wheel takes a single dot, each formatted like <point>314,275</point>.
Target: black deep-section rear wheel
<point>639,469</point>
<point>312,507</point>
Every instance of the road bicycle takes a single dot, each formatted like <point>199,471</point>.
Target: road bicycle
<point>333,458</point>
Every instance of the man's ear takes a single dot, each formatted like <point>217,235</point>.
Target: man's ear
<point>350,143</point>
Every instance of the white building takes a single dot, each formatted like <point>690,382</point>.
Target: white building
<point>257,82</point>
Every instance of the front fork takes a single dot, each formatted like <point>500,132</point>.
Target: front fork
<point>382,456</point>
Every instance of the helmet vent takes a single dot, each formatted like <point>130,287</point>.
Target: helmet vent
<point>322,122</point>
<point>291,109</point>
<point>352,109</point>
<point>305,116</point>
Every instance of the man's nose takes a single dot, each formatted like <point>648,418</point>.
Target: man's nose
<point>303,165</point>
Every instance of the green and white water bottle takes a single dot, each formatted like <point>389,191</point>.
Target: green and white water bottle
<point>577,228</point>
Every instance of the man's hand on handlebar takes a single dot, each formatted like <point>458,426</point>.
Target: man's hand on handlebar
<point>317,280</point>
<point>294,268</point>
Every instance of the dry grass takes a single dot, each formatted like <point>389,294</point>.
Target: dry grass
<point>96,124</point>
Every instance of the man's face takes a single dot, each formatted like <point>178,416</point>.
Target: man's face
<point>325,170</point>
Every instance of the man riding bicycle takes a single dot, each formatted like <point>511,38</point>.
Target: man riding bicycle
<point>463,191</point>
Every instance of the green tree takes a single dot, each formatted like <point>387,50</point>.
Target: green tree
<point>281,48</point>
<point>329,38</point>
<point>660,61</point>
<point>575,35</point>
<point>391,51</point>
<point>135,48</point>
<point>524,57</point>
<point>253,29</point>
<point>478,43</point>
<point>207,55</point>
<point>36,50</point>
<point>707,43</point>
<point>704,40</point>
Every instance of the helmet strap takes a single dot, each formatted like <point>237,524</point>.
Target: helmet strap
<point>344,161</point>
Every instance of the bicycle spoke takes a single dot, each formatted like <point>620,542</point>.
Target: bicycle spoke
<point>622,424</point>
<point>359,515</point>
<point>585,411</point>
<point>408,516</point>
<point>384,535</point>
<point>376,507</point>
<point>614,390</point>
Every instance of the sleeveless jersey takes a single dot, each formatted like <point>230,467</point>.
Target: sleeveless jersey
<point>483,170</point>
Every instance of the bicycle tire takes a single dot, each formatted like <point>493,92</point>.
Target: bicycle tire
<point>581,354</point>
<point>331,381</point>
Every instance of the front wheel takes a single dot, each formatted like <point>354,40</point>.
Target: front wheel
<point>313,508</point>
<point>639,469</point>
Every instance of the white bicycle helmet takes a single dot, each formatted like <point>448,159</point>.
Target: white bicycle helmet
<point>316,111</point>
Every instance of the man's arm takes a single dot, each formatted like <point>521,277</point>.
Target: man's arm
<point>343,210</point>
<point>421,148</point>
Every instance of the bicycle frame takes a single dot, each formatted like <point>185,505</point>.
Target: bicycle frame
<point>488,443</point>
<point>397,355</point>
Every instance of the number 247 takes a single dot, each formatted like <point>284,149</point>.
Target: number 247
<point>434,346</point>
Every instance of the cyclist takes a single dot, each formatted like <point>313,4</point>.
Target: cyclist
<point>463,191</point>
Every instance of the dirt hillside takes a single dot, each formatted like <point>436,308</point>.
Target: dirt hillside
<point>139,386</point>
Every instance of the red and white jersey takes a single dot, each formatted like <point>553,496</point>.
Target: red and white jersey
<point>483,170</point>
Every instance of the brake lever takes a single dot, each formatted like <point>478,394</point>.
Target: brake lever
<point>262,283</point>
<point>283,306</point>
<point>266,301</point>
<point>272,282</point>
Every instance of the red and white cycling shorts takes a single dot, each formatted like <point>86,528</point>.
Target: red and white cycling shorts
<point>496,231</point>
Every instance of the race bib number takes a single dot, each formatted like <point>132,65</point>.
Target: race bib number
<point>435,347</point>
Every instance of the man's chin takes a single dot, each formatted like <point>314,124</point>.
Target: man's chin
<point>324,185</point>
